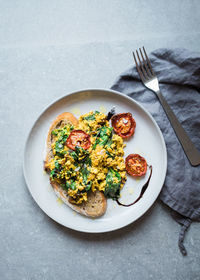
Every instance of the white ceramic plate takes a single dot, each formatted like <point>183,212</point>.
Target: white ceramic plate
<point>147,141</point>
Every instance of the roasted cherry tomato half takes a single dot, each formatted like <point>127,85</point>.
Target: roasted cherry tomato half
<point>78,138</point>
<point>123,124</point>
<point>136,165</point>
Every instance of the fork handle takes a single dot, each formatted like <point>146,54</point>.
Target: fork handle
<point>190,150</point>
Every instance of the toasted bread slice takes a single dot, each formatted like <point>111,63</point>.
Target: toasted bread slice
<point>94,207</point>
<point>96,204</point>
<point>59,122</point>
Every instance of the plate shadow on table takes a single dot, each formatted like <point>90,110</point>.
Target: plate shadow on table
<point>132,228</point>
<point>118,234</point>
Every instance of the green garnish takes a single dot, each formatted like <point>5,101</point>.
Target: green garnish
<point>57,165</point>
<point>103,136</point>
<point>80,154</point>
<point>85,174</point>
<point>62,134</point>
<point>58,147</point>
<point>54,132</point>
<point>92,117</point>
<point>109,155</point>
<point>73,185</point>
<point>52,174</point>
<point>88,186</point>
<point>112,190</point>
<point>55,172</point>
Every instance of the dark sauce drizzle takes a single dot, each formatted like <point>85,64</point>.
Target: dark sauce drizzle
<point>110,114</point>
<point>142,191</point>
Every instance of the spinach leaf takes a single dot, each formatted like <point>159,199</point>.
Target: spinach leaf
<point>109,155</point>
<point>74,155</point>
<point>103,136</point>
<point>55,171</point>
<point>73,185</point>
<point>112,190</point>
<point>109,142</point>
<point>54,132</point>
<point>92,117</point>
<point>79,155</point>
<point>85,172</point>
<point>57,165</point>
<point>58,147</point>
<point>69,185</point>
<point>63,135</point>
<point>88,161</point>
<point>88,186</point>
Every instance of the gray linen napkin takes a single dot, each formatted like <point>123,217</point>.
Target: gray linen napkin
<point>178,71</point>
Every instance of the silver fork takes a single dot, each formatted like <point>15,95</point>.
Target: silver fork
<point>150,81</point>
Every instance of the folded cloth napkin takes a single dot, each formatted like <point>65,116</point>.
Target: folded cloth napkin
<point>178,72</point>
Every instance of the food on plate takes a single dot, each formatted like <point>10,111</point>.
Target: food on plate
<point>145,186</point>
<point>136,165</point>
<point>85,162</point>
<point>78,138</point>
<point>123,124</point>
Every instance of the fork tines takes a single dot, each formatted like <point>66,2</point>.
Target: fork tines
<point>143,66</point>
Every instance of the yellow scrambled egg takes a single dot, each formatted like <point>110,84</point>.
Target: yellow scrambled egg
<point>100,167</point>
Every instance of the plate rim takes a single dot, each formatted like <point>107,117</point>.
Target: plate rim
<point>78,92</point>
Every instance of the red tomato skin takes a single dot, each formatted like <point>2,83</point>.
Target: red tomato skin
<point>136,156</point>
<point>133,124</point>
<point>71,146</point>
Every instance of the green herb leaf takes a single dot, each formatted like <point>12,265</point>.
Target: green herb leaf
<point>54,132</point>
<point>103,136</point>
<point>88,161</point>
<point>90,118</point>
<point>57,165</point>
<point>88,187</point>
<point>58,147</point>
<point>112,190</point>
<point>74,155</point>
<point>52,174</point>
<point>85,174</point>
<point>109,154</point>
<point>73,185</point>
<point>80,154</point>
<point>67,185</point>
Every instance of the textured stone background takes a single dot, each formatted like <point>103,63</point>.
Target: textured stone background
<point>47,49</point>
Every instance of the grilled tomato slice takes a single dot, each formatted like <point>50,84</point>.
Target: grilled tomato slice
<point>136,165</point>
<point>78,138</point>
<point>123,124</point>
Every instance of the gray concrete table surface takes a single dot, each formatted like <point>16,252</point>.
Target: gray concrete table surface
<point>50,48</point>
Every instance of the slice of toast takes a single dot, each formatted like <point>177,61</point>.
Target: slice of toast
<point>96,204</point>
<point>59,122</point>
<point>94,207</point>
